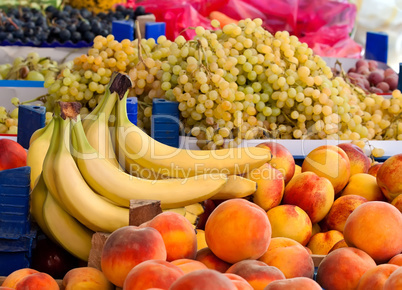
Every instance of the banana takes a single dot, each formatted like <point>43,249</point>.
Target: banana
<point>176,162</point>
<point>75,194</point>
<point>37,151</point>
<point>236,187</point>
<point>180,210</point>
<point>66,230</point>
<point>35,135</point>
<point>120,187</point>
<point>195,208</point>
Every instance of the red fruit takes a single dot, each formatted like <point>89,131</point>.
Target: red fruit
<point>12,154</point>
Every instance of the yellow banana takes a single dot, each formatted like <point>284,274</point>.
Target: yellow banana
<point>75,194</point>
<point>236,187</point>
<point>66,230</point>
<point>37,151</point>
<point>121,187</point>
<point>35,135</point>
<point>176,162</point>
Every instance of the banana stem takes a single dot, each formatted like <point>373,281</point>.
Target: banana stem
<point>70,109</point>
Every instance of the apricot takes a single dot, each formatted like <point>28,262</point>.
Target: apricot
<point>375,227</point>
<point>13,278</point>
<point>178,235</point>
<point>290,257</point>
<point>396,260</point>
<point>359,162</point>
<point>209,259</point>
<point>256,273</point>
<point>236,218</point>
<point>203,279</point>
<point>389,177</point>
<point>290,221</point>
<point>321,243</point>
<point>374,278</point>
<point>343,268</point>
<point>329,161</point>
<point>37,281</point>
<point>397,202</point>
<point>188,265</point>
<point>394,280</point>
<point>86,278</point>
<point>128,246</point>
<point>239,282</point>
<point>365,185</point>
<point>298,283</point>
<point>313,194</point>
<point>152,274</point>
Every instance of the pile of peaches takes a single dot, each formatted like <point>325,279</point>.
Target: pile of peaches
<point>338,204</point>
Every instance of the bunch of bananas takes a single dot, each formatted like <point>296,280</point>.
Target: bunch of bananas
<point>85,172</point>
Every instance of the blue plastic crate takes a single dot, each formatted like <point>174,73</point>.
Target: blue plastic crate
<point>165,122</point>
<point>30,119</point>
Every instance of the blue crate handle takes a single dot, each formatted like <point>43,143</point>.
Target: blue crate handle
<point>30,119</point>
<point>377,46</point>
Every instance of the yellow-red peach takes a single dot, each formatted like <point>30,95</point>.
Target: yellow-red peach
<point>13,278</point>
<point>375,227</point>
<point>151,274</point>
<point>359,162</point>
<point>188,265</point>
<point>396,260</point>
<point>86,278</point>
<point>389,177</point>
<point>236,218</point>
<point>321,243</point>
<point>373,170</point>
<point>290,221</point>
<point>37,281</point>
<point>316,229</point>
<point>203,279</point>
<point>394,280</point>
<point>365,185</point>
<point>298,170</point>
<point>239,282</point>
<point>374,278</point>
<point>339,244</point>
<point>340,211</point>
<point>8,288</point>
<point>313,194</point>
<point>209,259</point>
<point>397,202</point>
<point>290,257</point>
<point>298,283</point>
<point>128,246</point>
<point>178,235</point>
<point>331,162</point>
<point>256,273</point>
<point>343,268</point>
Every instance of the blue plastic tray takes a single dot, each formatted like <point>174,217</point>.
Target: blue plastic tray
<point>70,44</point>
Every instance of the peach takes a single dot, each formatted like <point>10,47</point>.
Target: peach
<point>86,278</point>
<point>321,243</point>
<point>396,260</point>
<point>270,186</point>
<point>329,161</point>
<point>281,159</point>
<point>203,279</point>
<point>389,177</point>
<point>397,202</point>
<point>37,281</point>
<point>209,259</point>
<point>313,194</point>
<point>188,265</point>
<point>8,288</point>
<point>374,278</point>
<point>365,185</point>
<point>339,244</point>
<point>178,235</point>
<point>239,282</point>
<point>12,154</point>
<point>290,257</point>
<point>298,283</point>
<point>13,278</point>
<point>343,268</point>
<point>340,211</point>
<point>375,227</point>
<point>201,242</point>
<point>316,229</point>
<point>152,274</point>
<point>236,218</point>
<point>373,170</point>
<point>359,162</point>
<point>290,221</point>
<point>394,280</point>
<point>298,170</point>
<point>128,246</point>
<point>256,273</point>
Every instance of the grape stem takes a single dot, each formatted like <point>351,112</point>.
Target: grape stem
<point>359,92</point>
<point>140,48</point>
<point>40,99</point>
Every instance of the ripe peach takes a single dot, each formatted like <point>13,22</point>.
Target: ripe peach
<point>313,194</point>
<point>365,185</point>
<point>188,265</point>
<point>298,283</point>
<point>394,280</point>
<point>209,259</point>
<point>13,278</point>
<point>128,246</point>
<point>375,227</point>
<point>8,288</point>
<point>290,221</point>
<point>203,279</point>
<point>389,177</point>
<point>342,268</point>
<point>86,277</point>
<point>396,260</point>
<point>256,273</point>
<point>239,282</point>
<point>397,202</point>
<point>316,229</point>
<point>270,186</point>
<point>339,244</point>
<point>373,170</point>
<point>321,243</point>
<point>152,273</point>
<point>340,211</point>
<point>281,159</point>
<point>37,281</point>
<point>178,235</point>
<point>236,218</point>
<point>374,278</point>
<point>290,257</point>
<point>329,161</point>
<point>298,170</point>
<point>12,154</point>
<point>359,162</point>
